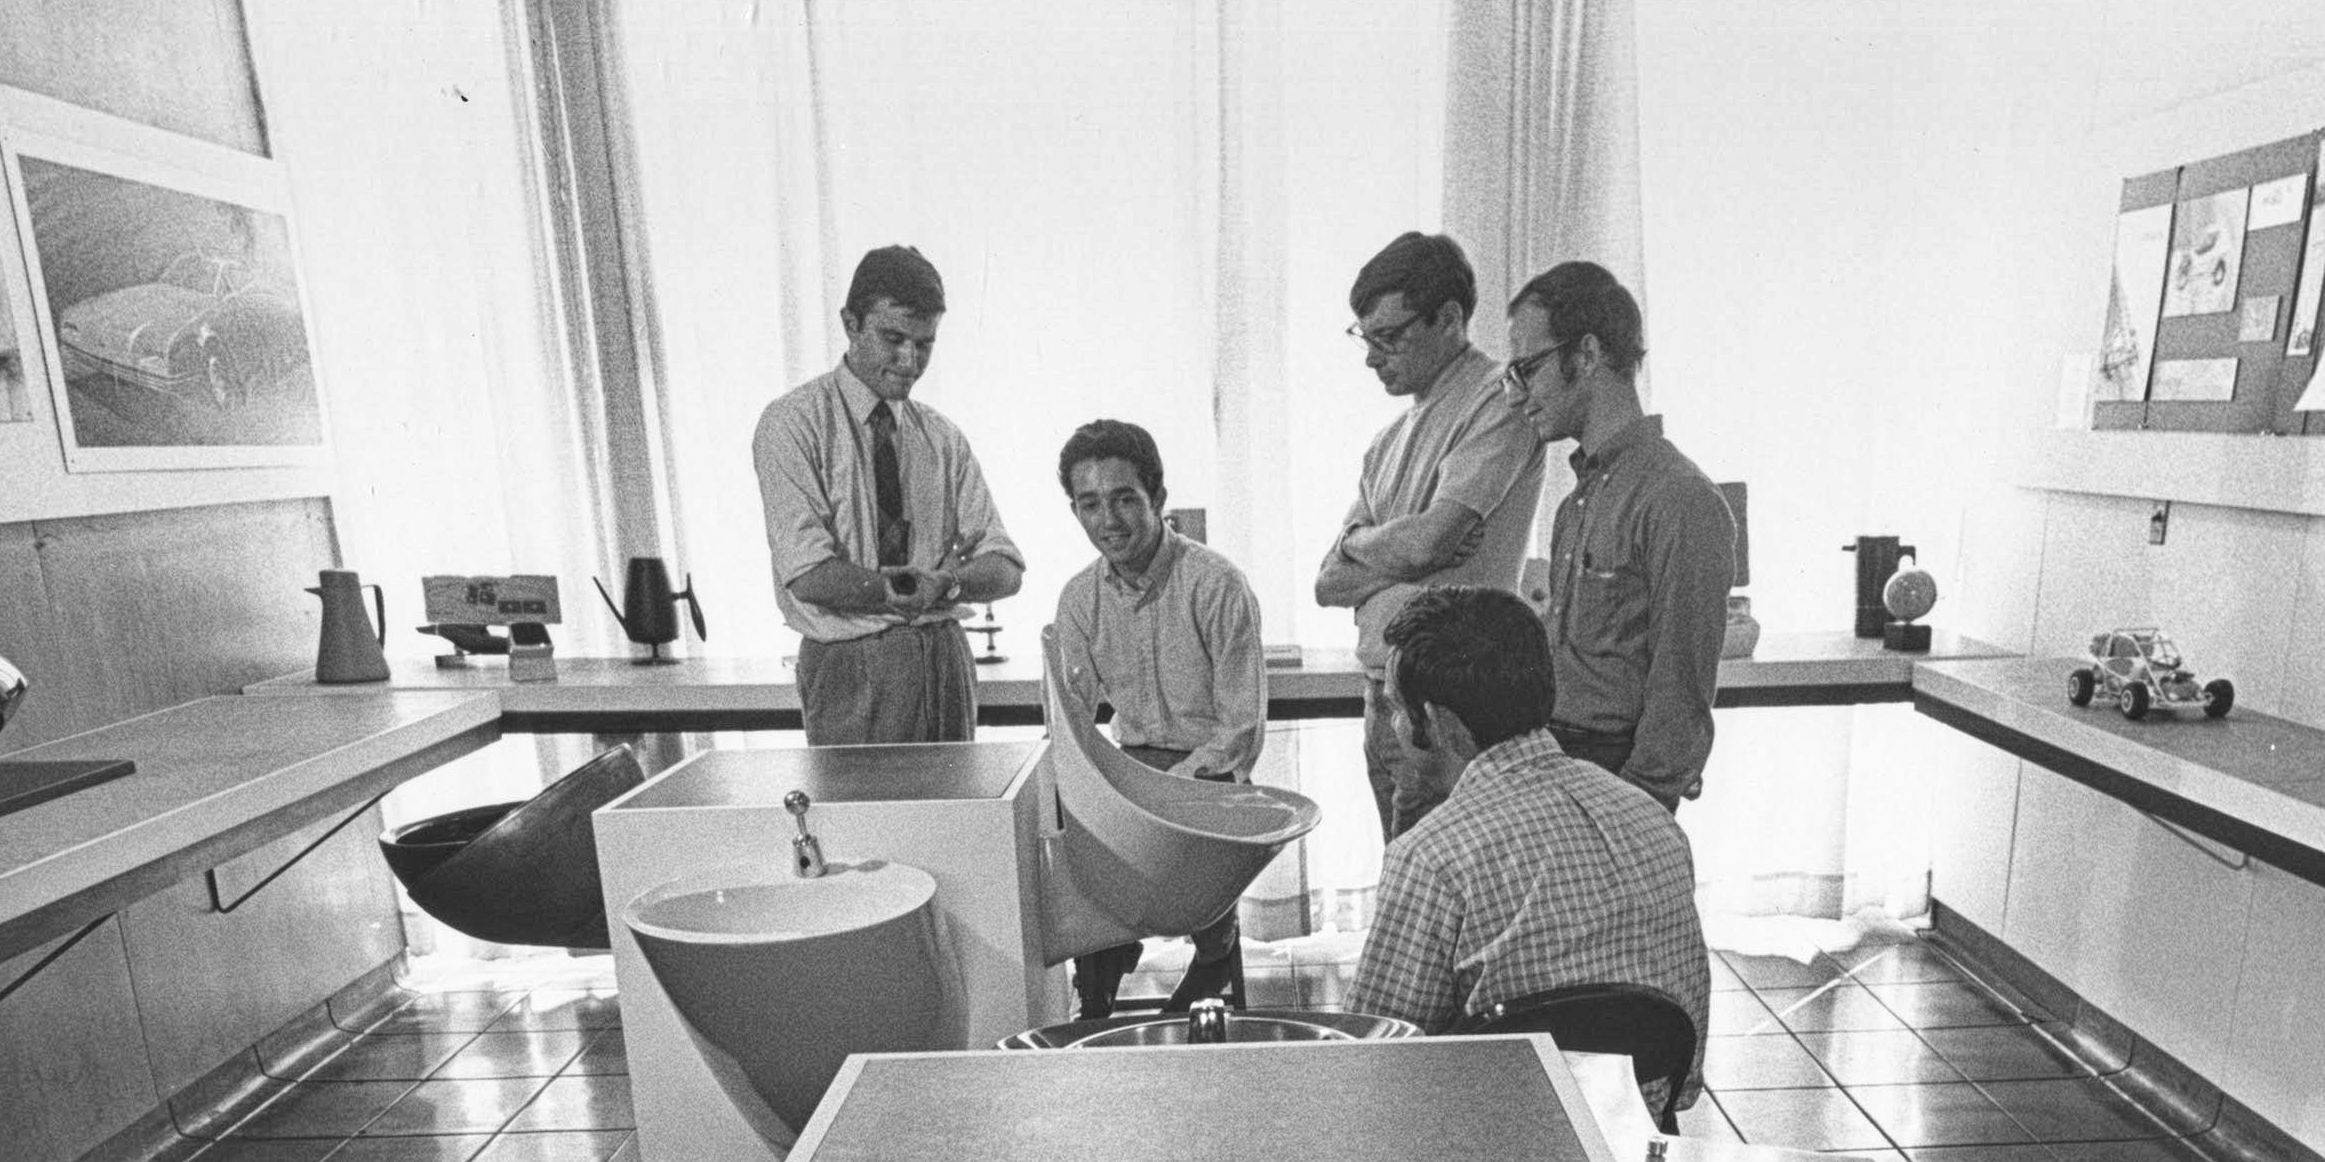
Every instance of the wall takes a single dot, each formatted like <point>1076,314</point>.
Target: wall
<point>1887,229</point>
<point>114,608</point>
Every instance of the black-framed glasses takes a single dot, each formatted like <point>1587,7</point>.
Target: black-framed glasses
<point>1522,369</point>
<point>1387,340</point>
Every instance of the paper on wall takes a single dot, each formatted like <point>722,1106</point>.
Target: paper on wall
<point>2277,203</point>
<point>2186,380</point>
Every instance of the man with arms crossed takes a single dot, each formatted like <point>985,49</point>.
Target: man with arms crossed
<point>1448,490</point>
<point>879,524</point>
<point>1167,631</point>
<point>1539,870</point>
<point>1642,553</point>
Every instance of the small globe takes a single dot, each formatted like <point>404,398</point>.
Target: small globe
<point>1909,594</point>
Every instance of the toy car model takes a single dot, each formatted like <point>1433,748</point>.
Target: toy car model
<point>2140,670</point>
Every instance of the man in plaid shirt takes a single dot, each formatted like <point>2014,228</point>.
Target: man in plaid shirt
<point>1540,870</point>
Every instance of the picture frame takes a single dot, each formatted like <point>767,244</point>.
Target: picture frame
<point>171,322</point>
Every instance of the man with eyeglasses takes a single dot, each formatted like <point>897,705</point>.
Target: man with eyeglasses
<point>1448,489</point>
<point>879,524</point>
<point>1642,552</point>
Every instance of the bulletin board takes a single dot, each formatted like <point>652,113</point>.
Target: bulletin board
<point>2215,262</point>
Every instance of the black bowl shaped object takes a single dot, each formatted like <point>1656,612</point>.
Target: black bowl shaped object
<point>415,849</point>
<point>531,876</point>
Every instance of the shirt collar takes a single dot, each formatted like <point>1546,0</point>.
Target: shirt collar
<point>861,399</point>
<point>1450,374</point>
<point>1637,433</point>
<point>1166,558</point>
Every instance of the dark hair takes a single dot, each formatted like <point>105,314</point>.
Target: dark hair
<point>1477,652</point>
<point>1428,269</point>
<point>1113,439</point>
<point>1582,298</point>
<point>900,275</point>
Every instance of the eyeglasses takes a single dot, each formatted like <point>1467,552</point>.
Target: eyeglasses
<point>1520,370</point>
<point>1387,340</point>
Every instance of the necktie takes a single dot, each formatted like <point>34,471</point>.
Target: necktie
<point>888,487</point>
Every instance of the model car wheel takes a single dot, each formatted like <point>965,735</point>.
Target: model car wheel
<point>2219,695</point>
<point>2080,687</point>
<point>2133,701</point>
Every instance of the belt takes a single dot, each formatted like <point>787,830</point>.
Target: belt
<point>1574,734</point>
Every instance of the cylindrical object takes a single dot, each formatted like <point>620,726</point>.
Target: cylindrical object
<point>349,647</point>
<point>1876,559</point>
<point>1207,1022</point>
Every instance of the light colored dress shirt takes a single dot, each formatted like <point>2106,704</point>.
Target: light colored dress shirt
<point>813,451</point>
<point>1460,443</point>
<point>1177,652</point>
<point>1539,871</point>
<point>1643,552</point>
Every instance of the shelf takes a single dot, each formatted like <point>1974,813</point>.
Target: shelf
<point>2231,470</point>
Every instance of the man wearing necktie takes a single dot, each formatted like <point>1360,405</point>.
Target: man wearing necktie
<point>879,524</point>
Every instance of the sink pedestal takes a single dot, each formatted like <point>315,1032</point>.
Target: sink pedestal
<point>967,813</point>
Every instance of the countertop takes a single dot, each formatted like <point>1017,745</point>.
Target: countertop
<point>615,695</point>
<point>2249,780</point>
<point>216,777</point>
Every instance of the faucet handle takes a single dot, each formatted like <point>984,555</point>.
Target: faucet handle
<point>1207,1022</point>
<point>806,852</point>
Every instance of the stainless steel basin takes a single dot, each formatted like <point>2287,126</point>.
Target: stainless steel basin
<point>1146,1029</point>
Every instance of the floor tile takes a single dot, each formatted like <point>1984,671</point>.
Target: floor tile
<point>318,1109</point>
<point>357,1018</point>
<point>447,1013</point>
<point>608,1053</point>
<point>561,1146</point>
<point>1765,972</point>
<point>2150,1150</point>
<point>579,1102</point>
<point>516,1053</point>
<point>456,1106</point>
<point>1801,1119</point>
<point>1837,1007</point>
<point>2028,1153</point>
<point>1947,1004</point>
<point>390,1057</point>
<point>433,1148</point>
<point>1948,1114</point>
<point>1877,1057</point>
<point>1897,964</point>
<point>1763,1061</point>
<point>287,1150</point>
<point>2005,1053</point>
<point>1704,1120</point>
<point>1735,1014</point>
<point>2073,1110</point>
<point>1724,978</point>
<point>562,1009</point>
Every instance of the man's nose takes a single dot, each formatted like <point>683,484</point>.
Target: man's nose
<point>1375,358</point>
<point>908,357</point>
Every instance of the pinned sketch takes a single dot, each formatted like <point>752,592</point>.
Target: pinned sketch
<point>2313,398</point>
<point>2142,240</point>
<point>15,400</point>
<point>2194,380</point>
<point>2258,321</point>
<point>2207,254</point>
<point>2302,331</point>
<point>2277,203</point>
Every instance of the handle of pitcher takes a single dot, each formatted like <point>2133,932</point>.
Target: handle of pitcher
<point>379,609</point>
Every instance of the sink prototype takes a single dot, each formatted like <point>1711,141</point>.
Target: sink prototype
<point>1151,1029</point>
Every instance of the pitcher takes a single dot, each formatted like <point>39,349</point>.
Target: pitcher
<point>349,650</point>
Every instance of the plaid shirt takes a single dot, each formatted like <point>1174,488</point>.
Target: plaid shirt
<point>1539,871</point>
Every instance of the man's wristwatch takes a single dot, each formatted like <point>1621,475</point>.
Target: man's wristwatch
<point>952,591</point>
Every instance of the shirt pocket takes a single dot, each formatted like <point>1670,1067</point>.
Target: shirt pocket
<point>1608,617</point>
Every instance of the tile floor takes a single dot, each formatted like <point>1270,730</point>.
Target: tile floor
<point>1886,1050</point>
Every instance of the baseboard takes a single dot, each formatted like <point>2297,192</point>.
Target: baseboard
<point>2225,1128</point>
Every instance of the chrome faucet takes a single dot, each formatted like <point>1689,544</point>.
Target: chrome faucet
<point>1207,1022</point>
<point>806,853</point>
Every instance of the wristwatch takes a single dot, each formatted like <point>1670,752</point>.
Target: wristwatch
<point>952,591</point>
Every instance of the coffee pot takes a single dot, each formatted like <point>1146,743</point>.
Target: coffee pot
<point>350,647</point>
<point>648,612</point>
<point>1877,559</point>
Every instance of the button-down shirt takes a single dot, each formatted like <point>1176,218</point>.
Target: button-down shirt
<point>1460,443</point>
<point>1176,651</point>
<point>813,450</point>
<point>1642,556</point>
<point>1539,871</point>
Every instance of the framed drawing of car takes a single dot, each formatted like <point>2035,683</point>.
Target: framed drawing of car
<point>166,300</point>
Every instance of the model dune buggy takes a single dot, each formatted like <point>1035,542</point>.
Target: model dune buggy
<point>2140,670</point>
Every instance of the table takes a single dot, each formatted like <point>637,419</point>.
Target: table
<point>617,696</point>
<point>2250,780</point>
<point>216,777</point>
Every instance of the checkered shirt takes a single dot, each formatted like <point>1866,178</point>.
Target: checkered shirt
<point>1539,871</point>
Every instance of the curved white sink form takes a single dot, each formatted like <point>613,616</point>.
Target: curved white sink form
<point>1140,852</point>
<point>779,978</point>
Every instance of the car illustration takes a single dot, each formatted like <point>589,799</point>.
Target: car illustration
<point>2140,669</point>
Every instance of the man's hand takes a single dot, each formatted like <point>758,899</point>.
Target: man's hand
<point>912,592</point>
